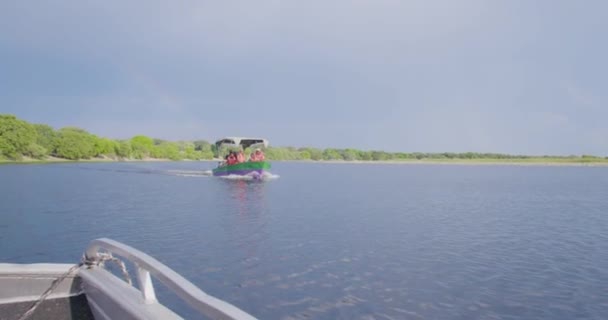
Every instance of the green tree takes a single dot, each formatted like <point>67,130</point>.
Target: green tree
<point>316,154</point>
<point>281,153</point>
<point>141,146</point>
<point>104,146</point>
<point>16,136</point>
<point>207,155</point>
<point>168,150</point>
<point>366,155</point>
<point>45,137</point>
<point>401,156</point>
<point>197,150</point>
<point>350,154</point>
<point>74,144</point>
<point>36,151</point>
<point>304,154</point>
<point>416,155</point>
<point>379,156</point>
<point>331,154</point>
<point>123,149</point>
<point>202,145</point>
<point>311,153</point>
<point>274,153</point>
<point>190,153</point>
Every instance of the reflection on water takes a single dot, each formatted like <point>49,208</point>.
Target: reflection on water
<point>248,228</point>
<point>335,241</point>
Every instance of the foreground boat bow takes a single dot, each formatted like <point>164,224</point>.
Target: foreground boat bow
<point>107,296</point>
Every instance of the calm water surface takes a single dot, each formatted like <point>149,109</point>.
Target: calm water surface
<point>335,241</point>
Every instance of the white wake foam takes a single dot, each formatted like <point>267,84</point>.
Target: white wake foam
<point>191,173</point>
<point>266,176</point>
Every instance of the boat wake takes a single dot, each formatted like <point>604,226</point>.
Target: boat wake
<point>190,173</point>
<point>254,176</point>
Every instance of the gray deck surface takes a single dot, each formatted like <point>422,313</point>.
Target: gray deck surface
<point>73,308</point>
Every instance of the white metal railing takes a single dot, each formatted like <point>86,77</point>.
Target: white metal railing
<point>146,266</point>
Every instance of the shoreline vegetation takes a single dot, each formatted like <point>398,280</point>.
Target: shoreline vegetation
<point>534,161</point>
<point>22,142</point>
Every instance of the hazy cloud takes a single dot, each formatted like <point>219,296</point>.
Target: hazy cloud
<point>496,76</point>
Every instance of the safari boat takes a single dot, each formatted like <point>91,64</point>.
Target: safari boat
<point>256,168</point>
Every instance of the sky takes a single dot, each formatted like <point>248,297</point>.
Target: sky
<point>517,76</point>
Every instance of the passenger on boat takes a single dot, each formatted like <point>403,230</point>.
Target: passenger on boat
<point>240,157</point>
<point>231,159</point>
<point>257,155</point>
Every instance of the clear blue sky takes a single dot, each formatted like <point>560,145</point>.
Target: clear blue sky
<point>513,76</point>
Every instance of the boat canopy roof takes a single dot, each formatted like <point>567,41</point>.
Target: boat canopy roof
<point>242,142</point>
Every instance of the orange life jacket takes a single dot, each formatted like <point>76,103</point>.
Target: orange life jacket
<point>231,160</point>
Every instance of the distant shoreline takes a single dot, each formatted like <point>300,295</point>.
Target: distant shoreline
<point>513,162</point>
<point>472,162</point>
<point>51,160</point>
<point>39,143</point>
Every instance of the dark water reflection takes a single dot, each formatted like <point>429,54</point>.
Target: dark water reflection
<point>336,241</point>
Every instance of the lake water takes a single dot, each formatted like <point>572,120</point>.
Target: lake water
<point>335,241</point>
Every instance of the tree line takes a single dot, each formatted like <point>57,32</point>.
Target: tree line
<point>19,139</point>
<point>290,153</point>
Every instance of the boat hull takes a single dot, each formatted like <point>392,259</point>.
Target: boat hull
<point>243,169</point>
